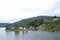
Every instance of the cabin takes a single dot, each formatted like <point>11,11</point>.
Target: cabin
<point>55,19</point>
<point>22,28</point>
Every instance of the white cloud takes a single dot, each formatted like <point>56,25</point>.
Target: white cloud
<point>14,10</point>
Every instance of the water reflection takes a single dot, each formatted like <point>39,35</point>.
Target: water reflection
<point>25,32</point>
<point>17,35</point>
<point>29,35</point>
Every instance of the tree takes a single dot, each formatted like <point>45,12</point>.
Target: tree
<point>8,26</point>
<point>36,23</point>
<point>17,26</point>
<point>55,17</point>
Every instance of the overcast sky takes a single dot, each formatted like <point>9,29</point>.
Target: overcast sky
<point>15,10</point>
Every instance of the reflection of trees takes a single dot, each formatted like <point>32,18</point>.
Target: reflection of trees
<point>16,37</point>
<point>24,32</point>
<point>17,33</point>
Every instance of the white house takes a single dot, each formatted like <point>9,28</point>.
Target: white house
<point>55,19</point>
<point>22,28</point>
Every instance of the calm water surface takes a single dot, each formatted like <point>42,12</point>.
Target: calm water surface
<point>30,35</point>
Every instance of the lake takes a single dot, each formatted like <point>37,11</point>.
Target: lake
<point>28,35</point>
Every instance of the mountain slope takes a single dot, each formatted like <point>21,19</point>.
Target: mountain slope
<point>25,21</point>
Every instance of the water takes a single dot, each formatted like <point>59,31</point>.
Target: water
<point>30,35</point>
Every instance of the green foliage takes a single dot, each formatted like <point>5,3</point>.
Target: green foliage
<point>8,26</point>
<point>55,17</point>
<point>35,23</point>
<point>47,23</point>
<point>52,25</point>
<point>17,26</point>
<point>24,22</point>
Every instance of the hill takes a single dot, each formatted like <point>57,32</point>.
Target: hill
<point>47,23</point>
<point>3,24</point>
<point>25,21</point>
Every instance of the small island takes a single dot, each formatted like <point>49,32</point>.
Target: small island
<point>47,23</point>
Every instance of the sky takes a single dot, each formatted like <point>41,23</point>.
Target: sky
<point>15,10</point>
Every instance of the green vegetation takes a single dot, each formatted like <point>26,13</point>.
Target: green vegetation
<point>8,26</point>
<point>51,23</point>
<point>16,26</point>
<point>35,23</point>
<point>12,27</point>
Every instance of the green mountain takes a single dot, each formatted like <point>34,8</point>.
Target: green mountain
<point>25,21</point>
<point>47,23</point>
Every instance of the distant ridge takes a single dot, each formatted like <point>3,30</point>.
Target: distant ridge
<point>3,24</point>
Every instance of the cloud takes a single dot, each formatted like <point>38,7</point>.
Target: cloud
<point>14,10</point>
<point>29,10</point>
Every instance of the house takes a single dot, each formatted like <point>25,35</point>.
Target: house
<point>22,28</point>
<point>55,19</point>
